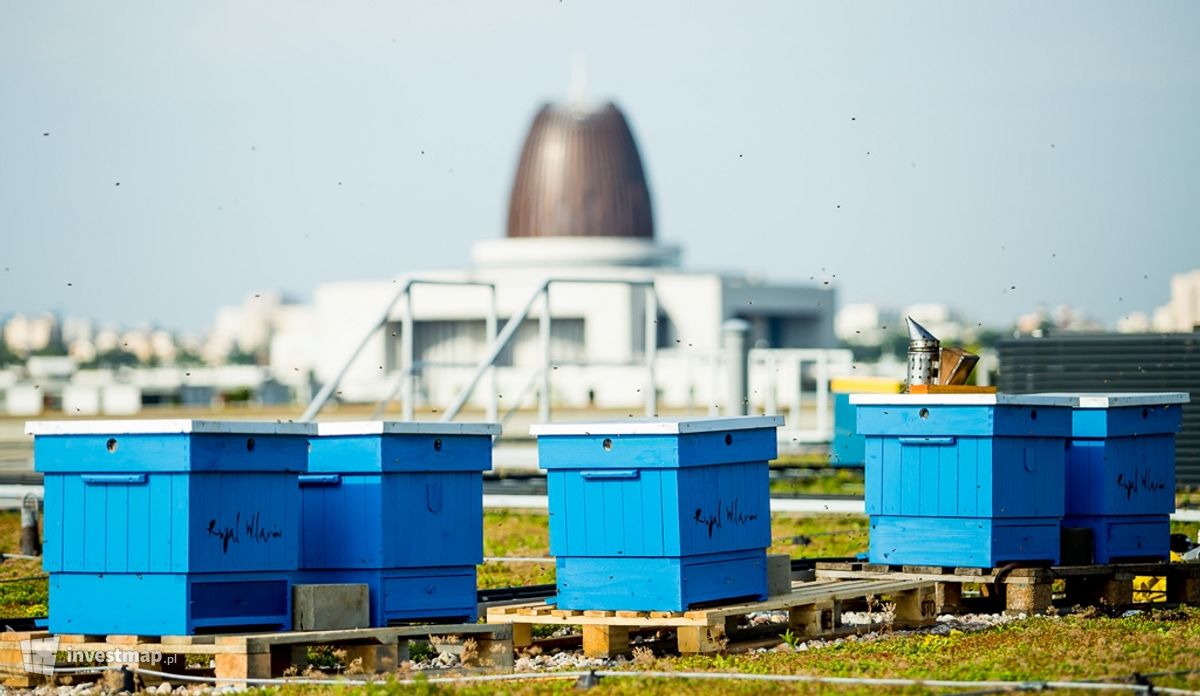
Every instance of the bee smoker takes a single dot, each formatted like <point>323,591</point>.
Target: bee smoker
<point>924,351</point>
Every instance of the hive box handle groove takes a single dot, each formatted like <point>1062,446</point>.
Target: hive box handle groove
<point>611,474</point>
<point>931,441</point>
<point>320,479</point>
<point>113,478</point>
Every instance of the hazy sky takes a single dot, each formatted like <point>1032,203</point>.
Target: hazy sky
<point>920,152</point>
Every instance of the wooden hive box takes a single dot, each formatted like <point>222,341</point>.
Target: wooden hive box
<point>398,506</point>
<point>169,526</point>
<point>964,479</point>
<point>660,514</point>
<point>1121,472</point>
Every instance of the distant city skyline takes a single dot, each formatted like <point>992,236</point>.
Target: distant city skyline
<point>160,162</point>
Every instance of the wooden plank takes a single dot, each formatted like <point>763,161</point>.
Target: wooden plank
<point>522,635</point>
<point>628,614</point>
<point>564,613</point>
<point>118,639</point>
<point>699,640</point>
<point>17,636</point>
<point>916,607</point>
<point>596,613</point>
<point>189,640</point>
<point>927,570</point>
<point>838,565</point>
<point>851,575</point>
<point>77,638</point>
<point>234,669</point>
<point>666,614</point>
<point>605,641</point>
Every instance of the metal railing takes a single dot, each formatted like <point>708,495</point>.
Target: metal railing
<point>541,296</point>
<point>407,381</point>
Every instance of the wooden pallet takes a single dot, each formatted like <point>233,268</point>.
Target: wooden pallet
<point>238,657</point>
<point>1030,590</point>
<point>814,609</point>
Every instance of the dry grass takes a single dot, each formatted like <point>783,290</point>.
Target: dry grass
<point>1080,647</point>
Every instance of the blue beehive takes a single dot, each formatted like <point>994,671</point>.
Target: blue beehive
<point>658,515</point>
<point>848,447</point>
<point>968,480</point>
<point>1121,472</point>
<point>398,506</point>
<point>170,527</point>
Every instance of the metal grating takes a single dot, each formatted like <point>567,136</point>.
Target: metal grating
<point>1113,362</point>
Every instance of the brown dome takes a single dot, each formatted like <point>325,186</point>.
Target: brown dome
<point>580,176</point>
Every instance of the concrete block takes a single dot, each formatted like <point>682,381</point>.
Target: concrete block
<point>779,574</point>
<point>330,607</point>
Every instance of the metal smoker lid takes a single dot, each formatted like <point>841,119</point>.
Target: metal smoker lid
<point>919,336</point>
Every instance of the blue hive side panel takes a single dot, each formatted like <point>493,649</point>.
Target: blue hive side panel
<point>614,512</point>
<point>168,603</point>
<point>926,475</point>
<point>1030,477</point>
<point>342,518</point>
<point>248,453</point>
<point>150,605</point>
<point>724,508</point>
<point>656,451</point>
<point>441,593</point>
<point>433,519</point>
<point>1085,477</point>
<point>848,448</point>
<point>95,454</point>
<point>1126,537</point>
<point>345,454</point>
<point>1129,475</point>
<point>437,453</point>
<point>399,594</point>
<point>963,421</point>
<point>962,541</point>
<point>659,584</point>
<point>1127,422</point>
<point>244,522</point>
<point>116,523</point>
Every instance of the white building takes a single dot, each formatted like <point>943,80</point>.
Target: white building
<point>1182,311</point>
<point>580,210</point>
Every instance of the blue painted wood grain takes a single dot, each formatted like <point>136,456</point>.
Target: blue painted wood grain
<point>154,515</point>
<point>401,595</point>
<point>168,603</point>
<point>399,453</point>
<point>401,506</point>
<point>659,584</point>
<point>657,505</point>
<point>962,541</point>
<point>656,451</point>
<point>849,446</point>
<point>1126,537</point>
<point>169,452</point>
<point>1121,475</point>
<point>1128,421</point>
<point>964,421</point>
<point>660,512</point>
